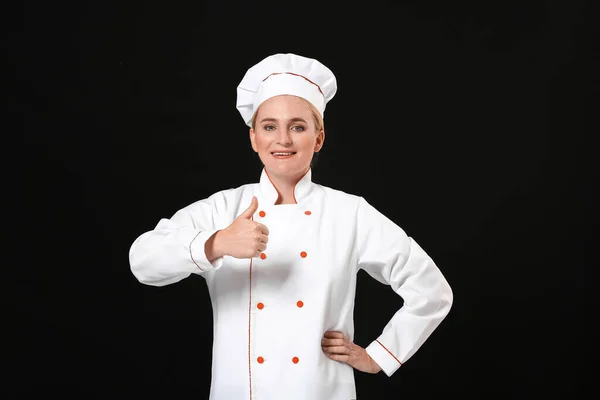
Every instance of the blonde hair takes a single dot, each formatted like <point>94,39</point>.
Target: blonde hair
<point>319,124</point>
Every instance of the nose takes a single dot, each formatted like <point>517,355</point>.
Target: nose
<point>284,138</point>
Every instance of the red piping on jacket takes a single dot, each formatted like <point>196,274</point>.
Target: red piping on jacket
<point>250,328</point>
<point>293,190</point>
<point>395,358</point>
<point>191,255</point>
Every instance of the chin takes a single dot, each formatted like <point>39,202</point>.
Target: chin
<point>286,170</point>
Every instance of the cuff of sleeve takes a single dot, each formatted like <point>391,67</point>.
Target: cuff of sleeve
<point>198,254</point>
<point>382,356</point>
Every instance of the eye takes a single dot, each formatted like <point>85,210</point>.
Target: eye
<point>269,127</point>
<point>298,128</point>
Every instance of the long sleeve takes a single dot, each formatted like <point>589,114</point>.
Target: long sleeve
<point>387,254</point>
<point>174,249</point>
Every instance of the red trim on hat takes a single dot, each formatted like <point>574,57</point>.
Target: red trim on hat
<point>301,76</point>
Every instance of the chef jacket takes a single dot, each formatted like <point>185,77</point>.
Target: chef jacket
<point>270,312</point>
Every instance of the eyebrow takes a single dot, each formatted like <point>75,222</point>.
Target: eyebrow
<point>297,119</point>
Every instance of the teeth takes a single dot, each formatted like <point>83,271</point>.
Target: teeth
<point>282,154</point>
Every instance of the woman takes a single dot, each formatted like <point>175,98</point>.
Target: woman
<point>283,255</point>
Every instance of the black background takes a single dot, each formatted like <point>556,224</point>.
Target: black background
<point>464,122</point>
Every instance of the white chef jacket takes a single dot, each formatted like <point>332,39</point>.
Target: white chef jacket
<point>270,312</point>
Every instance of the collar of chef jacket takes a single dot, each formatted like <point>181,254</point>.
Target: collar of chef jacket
<point>270,193</point>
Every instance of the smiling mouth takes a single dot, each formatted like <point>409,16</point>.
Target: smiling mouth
<point>283,154</point>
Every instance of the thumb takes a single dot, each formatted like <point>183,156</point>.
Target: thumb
<point>251,209</point>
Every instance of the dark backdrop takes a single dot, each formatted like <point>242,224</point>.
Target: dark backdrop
<point>464,122</point>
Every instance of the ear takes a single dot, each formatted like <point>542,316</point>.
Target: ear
<point>320,141</point>
<point>253,139</point>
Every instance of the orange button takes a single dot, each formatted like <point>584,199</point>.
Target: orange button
<point>295,360</point>
<point>307,212</point>
<point>300,303</point>
<point>263,255</point>
<point>260,360</point>
<point>260,306</point>
<point>303,254</point>
<point>262,214</point>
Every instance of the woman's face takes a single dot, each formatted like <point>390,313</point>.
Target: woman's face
<point>285,136</point>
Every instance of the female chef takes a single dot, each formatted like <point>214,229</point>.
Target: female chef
<point>285,252</point>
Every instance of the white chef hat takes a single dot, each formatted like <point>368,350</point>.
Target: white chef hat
<point>285,74</point>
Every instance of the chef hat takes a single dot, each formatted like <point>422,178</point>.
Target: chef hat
<point>285,74</point>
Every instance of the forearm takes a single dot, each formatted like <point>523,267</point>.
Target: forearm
<point>427,301</point>
<point>409,328</point>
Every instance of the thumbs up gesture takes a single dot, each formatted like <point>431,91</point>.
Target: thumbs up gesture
<point>245,238</point>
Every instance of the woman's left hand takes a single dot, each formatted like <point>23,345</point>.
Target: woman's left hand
<point>338,348</point>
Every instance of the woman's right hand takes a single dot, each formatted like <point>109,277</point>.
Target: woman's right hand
<point>244,238</point>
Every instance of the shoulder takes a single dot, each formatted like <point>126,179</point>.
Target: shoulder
<point>340,198</point>
<point>350,203</point>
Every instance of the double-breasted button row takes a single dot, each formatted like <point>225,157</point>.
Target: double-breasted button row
<point>263,214</point>
<point>261,360</point>
<point>303,254</point>
<point>299,304</point>
<point>260,306</point>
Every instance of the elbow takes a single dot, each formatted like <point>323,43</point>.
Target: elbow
<point>145,275</point>
<point>151,270</point>
<point>140,271</point>
<point>140,266</point>
<point>139,274</point>
<point>446,298</point>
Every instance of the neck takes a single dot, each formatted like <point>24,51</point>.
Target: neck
<point>285,186</point>
<point>286,192</point>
